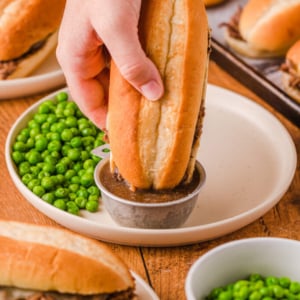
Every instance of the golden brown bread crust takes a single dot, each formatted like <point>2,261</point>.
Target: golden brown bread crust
<point>212,2</point>
<point>268,28</point>
<point>293,55</point>
<point>26,22</point>
<point>151,141</point>
<point>291,72</point>
<point>47,258</point>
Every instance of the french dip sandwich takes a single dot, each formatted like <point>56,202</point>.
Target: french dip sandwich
<point>291,72</point>
<point>154,143</point>
<point>28,34</point>
<point>47,263</point>
<point>264,28</point>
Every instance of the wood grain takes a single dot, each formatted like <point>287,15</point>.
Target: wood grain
<point>164,268</point>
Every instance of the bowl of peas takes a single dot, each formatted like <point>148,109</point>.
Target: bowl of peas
<point>262,268</point>
<point>49,155</point>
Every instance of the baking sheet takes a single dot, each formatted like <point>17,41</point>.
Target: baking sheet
<point>262,76</point>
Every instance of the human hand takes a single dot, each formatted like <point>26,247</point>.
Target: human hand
<point>86,27</point>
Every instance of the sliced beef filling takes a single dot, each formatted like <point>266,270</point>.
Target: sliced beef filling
<point>10,293</point>
<point>233,25</point>
<point>289,68</point>
<point>9,66</point>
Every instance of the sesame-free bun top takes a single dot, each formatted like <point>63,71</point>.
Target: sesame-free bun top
<point>23,23</point>
<point>270,25</point>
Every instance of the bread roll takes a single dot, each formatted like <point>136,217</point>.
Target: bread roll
<point>213,2</point>
<point>27,32</point>
<point>291,72</point>
<point>45,258</point>
<point>267,28</point>
<point>154,143</point>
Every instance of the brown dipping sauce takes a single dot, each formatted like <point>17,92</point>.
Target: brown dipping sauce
<point>121,189</point>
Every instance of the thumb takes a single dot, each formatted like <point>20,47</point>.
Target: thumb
<point>133,64</point>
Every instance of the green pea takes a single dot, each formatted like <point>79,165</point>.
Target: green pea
<point>62,96</point>
<point>70,173</point>
<point>93,198</point>
<point>75,179</point>
<point>48,197</point>
<point>20,146</point>
<point>284,282</point>
<point>271,280</point>
<point>49,168</point>
<point>21,138</point>
<point>59,203</point>
<point>34,132</point>
<point>26,178</point>
<point>225,295</point>
<point>61,168</point>
<point>33,124</point>
<point>80,202</point>
<point>93,190</point>
<point>74,187</point>
<point>255,296</point>
<point>92,206</point>
<point>24,168</point>
<point>38,190</point>
<point>87,180</point>
<point>40,118</point>
<point>52,118</point>
<point>71,121</point>
<point>41,144</point>
<point>32,183</point>
<point>54,146</point>
<point>49,159</point>
<point>74,154</point>
<point>294,287</point>
<point>48,183</point>
<point>61,192</point>
<point>278,291</point>
<point>66,135</point>
<point>82,192</point>
<point>72,207</point>
<point>44,108</point>
<point>18,157</point>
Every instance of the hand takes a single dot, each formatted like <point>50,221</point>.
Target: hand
<point>87,27</point>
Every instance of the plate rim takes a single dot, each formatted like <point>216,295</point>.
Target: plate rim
<point>33,84</point>
<point>188,235</point>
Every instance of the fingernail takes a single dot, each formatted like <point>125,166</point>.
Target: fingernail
<point>151,90</point>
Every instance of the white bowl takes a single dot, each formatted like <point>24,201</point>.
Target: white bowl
<point>236,260</point>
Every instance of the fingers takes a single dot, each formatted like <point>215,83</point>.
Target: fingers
<point>79,53</point>
<point>120,36</point>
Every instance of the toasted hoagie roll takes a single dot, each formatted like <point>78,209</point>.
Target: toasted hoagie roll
<point>59,264</point>
<point>154,143</point>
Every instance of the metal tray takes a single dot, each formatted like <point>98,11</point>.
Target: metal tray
<point>262,76</point>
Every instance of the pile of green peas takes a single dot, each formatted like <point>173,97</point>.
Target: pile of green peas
<point>53,155</point>
<point>257,287</point>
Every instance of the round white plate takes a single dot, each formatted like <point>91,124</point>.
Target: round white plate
<point>249,158</point>
<point>46,77</point>
<point>143,290</point>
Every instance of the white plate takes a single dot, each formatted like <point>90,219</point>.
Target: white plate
<point>46,77</point>
<point>143,290</point>
<point>250,160</point>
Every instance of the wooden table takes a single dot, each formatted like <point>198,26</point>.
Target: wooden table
<point>165,269</point>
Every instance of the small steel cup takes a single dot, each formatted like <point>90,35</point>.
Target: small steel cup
<point>161,215</point>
